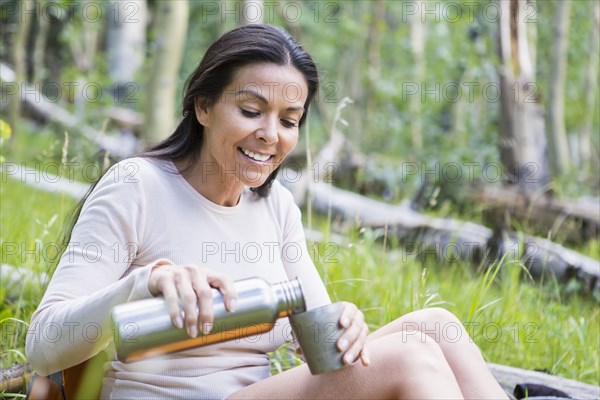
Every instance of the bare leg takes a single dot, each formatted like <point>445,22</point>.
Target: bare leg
<point>463,356</point>
<point>403,366</point>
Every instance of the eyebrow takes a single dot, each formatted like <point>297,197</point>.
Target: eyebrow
<point>262,99</point>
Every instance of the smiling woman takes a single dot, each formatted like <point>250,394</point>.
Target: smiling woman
<point>211,185</point>
<point>248,131</point>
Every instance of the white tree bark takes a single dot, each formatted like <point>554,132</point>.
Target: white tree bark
<point>522,139</point>
<point>557,136</point>
<point>252,12</point>
<point>126,39</point>
<point>171,28</point>
<point>418,39</point>
<point>532,27</point>
<point>39,50</point>
<point>19,58</point>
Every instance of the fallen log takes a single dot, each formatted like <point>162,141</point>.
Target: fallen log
<point>570,220</point>
<point>504,206</point>
<point>451,238</point>
<point>120,145</point>
<point>125,118</point>
<point>14,379</point>
<point>541,257</point>
<point>509,377</point>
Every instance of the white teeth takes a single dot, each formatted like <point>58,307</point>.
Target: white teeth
<point>256,156</point>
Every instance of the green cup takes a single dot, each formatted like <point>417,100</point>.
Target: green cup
<point>317,332</point>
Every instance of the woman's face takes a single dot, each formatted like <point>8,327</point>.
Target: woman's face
<point>254,125</point>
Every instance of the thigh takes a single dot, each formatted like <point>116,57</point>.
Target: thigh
<point>431,321</point>
<point>460,352</point>
<point>401,367</point>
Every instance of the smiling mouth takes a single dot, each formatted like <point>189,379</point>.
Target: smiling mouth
<point>255,156</point>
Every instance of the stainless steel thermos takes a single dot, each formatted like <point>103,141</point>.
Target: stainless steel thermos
<point>144,329</point>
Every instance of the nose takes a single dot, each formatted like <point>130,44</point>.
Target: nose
<point>267,133</point>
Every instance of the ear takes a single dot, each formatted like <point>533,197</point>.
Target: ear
<point>202,111</point>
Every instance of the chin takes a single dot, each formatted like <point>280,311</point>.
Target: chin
<point>253,178</point>
<point>256,181</point>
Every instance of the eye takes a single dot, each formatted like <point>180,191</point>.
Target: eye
<point>288,124</point>
<point>249,114</point>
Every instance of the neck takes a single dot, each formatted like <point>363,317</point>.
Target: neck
<point>210,183</point>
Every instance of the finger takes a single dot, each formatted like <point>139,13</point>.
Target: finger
<point>365,357</point>
<point>352,353</point>
<point>351,333</point>
<point>347,315</point>
<point>226,287</point>
<point>167,287</point>
<point>205,296</point>
<point>188,298</point>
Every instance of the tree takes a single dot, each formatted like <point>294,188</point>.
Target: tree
<point>522,141</point>
<point>418,40</point>
<point>39,49</point>
<point>252,12</point>
<point>170,30</point>
<point>126,41</point>
<point>19,59</point>
<point>557,136</point>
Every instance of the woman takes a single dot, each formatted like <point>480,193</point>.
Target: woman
<point>175,222</point>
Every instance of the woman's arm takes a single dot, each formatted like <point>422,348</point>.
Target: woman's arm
<point>72,323</point>
<point>295,255</point>
<point>353,341</point>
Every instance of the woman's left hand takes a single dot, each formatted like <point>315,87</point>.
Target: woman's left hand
<point>353,341</point>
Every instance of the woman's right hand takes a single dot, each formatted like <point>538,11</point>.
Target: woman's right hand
<point>193,285</point>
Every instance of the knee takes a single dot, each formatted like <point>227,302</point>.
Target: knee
<point>411,362</point>
<point>449,329</point>
<point>441,316</point>
<point>414,349</point>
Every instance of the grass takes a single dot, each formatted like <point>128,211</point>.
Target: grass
<point>514,321</point>
<point>30,222</point>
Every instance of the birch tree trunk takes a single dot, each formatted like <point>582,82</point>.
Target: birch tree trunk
<point>171,28</point>
<point>373,68</point>
<point>252,12</point>
<point>417,45</point>
<point>557,136</point>
<point>39,50</point>
<point>126,41</point>
<point>18,57</point>
<point>532,28</point>
<point>590,87</point>
<point>522,141</point>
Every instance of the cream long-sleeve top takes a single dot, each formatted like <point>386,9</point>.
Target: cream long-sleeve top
<point>141,212</point>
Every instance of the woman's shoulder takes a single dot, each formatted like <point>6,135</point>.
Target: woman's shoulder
<point>280,195</point>
<point>282,203</point>
<point>138,170</point>
<point>130,179</point>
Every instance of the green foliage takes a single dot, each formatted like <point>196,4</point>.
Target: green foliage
<point>53,151</point>
<point>513,320</point>
<point>31,221</point>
